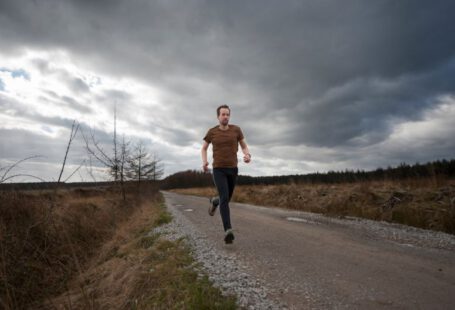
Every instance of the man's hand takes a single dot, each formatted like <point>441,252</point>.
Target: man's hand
<point>205,166</point>
<point>247,158</point>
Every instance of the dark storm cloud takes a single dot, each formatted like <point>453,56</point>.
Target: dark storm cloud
<point>318,73</point>
<point>363,111</point>
<point>291,50</point>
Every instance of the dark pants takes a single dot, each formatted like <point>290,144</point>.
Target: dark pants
<point>224,179</point>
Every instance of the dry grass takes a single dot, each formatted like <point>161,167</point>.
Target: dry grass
<point>426,204</point>
<point>46,237</point>
<point>89,249</point>
<point>136,270</point>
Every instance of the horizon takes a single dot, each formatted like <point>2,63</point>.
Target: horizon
<point>244,175</point>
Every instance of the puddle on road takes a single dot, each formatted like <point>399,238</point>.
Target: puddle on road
<point>298,219</point>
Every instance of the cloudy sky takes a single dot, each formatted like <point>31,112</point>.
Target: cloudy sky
<point>315,85</point>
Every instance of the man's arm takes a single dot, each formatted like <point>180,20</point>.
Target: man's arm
<point>245,150</point>
<point>205,163</point>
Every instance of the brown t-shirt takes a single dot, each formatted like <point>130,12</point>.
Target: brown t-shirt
<point>225,145</point>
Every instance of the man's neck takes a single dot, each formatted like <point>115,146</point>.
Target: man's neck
<point>224,127</point>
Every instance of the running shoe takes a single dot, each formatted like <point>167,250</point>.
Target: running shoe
<point>229,236</point>
<point>214,202</point>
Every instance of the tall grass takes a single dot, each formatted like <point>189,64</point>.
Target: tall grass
<point>138,269</point>
<point>424,203</point>
<point>46,237</point>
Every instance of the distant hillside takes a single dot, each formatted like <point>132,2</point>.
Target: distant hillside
<point>441,169</point>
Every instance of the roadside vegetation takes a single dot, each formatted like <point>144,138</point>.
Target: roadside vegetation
<point>90,248</point>
<point>425,203</point>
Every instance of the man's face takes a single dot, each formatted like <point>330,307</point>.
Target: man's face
<point>224,116</point>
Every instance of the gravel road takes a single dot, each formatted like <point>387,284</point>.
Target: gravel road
<point>285,259</point>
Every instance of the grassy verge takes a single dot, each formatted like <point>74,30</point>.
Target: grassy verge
<point>139,270</point>
<point>47,236</point>
<point>420,203</point>
<point>90,249</point>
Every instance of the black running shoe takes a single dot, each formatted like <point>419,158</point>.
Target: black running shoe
<point>214,202</point>
<point>229,236</point>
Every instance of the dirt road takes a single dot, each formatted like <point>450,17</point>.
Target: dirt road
<point>313,262</point>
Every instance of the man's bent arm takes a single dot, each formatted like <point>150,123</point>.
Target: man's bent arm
<point>205,163</point>
<point>245,149</point>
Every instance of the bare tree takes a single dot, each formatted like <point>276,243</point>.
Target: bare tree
<point>157,170</point>
<point>5,176</point>
<point>75,170</point>
<point>143,166</point>
<point>124,155</point>
<point>136,162</point>
<point>89,168</point>
<point>115,167</point>
<point>94,149</point>
<point>73,133</point>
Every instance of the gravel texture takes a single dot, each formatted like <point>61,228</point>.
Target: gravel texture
<point>402,234</point>
<point>222,268</point>
<point>232,274</point>
<point>398,233</point>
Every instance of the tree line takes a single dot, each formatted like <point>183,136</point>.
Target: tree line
<point>441,168</point>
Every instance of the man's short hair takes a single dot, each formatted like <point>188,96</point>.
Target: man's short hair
<point>224,106</point>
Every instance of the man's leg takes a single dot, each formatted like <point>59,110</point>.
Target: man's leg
<point>221,182</point>
<point>231,174</point>
<point>232,179</point>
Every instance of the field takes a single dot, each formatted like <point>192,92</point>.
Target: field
<point>88,248</point>
<point>425,203</point>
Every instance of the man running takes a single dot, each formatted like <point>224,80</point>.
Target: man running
<point>225,138</point>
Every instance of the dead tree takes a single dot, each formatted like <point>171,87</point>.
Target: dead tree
<point>124,155</point>
<point>75,170</point>
<point>89,168</point>
<point>93,148</point>
<point>143,166</point>
<point>8,169</point>
<point>116,161</point>
<point>158,169</point>
<point>73,133</point>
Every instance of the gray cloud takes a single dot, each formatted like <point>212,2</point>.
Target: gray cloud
<point>19,109</point>
<point>367,108</point>
<point>77,85</point>
<point>76,105</point>
<point>296,73</point>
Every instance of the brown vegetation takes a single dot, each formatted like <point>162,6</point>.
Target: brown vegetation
<point>88,248</point>
<point>47,236</point>
<point>424,203</point>
<point>139,270</point>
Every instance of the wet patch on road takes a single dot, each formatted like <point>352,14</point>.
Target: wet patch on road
<point>299,219</point>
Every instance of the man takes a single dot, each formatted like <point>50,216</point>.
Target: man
<point>225,139</point>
